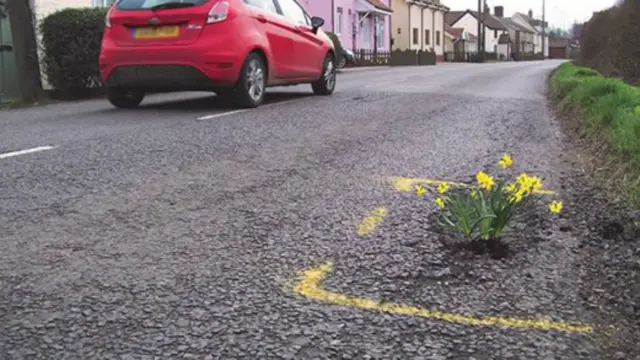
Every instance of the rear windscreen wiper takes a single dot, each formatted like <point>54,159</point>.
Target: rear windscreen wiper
<point>171,5</point>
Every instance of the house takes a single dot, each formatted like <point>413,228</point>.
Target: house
<point>518,38</point>
<point>493,29</point>
<point>360,24</point>
<point>537,26</point>
<point>559,48</point>
<point>418,25</point>
<point>457,40</point>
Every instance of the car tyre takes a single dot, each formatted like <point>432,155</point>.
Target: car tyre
<point>250,89</point>
<point>327,82</point>
<point>125,98</point>
<point>342,63</point>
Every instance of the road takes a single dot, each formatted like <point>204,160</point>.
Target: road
<point>178,230</point>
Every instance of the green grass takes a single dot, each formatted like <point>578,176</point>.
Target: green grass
<point>607,108</point>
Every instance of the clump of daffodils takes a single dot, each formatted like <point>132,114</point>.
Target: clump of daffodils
<point>484,210</point>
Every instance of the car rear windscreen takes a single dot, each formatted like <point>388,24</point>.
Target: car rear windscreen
<point>156,4</point>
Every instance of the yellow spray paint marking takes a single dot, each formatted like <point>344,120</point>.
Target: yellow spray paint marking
<point>310,286</point>
<point>405,184</point>
<point>369,224</point>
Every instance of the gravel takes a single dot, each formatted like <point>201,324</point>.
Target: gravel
<point>148,234</point>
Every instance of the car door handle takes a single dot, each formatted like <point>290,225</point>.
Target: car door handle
<point>261,18</point>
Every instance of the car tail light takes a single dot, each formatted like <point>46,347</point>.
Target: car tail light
<point>107,20</point>
<point>218,12</point>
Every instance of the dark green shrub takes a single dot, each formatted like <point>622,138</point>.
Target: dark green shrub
<point>71,40</point>
<point>336,44</point>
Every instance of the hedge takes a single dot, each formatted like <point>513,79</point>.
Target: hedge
<point>336,44</point>
<point>606,106</point>
<point>71,43</point>
<point>610,41</point>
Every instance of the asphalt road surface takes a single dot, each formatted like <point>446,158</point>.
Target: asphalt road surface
<point>178,230</point>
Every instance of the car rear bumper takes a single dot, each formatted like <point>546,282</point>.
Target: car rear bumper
<point>168,67</point>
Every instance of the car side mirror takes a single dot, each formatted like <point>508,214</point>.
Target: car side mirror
<point>316,23</point>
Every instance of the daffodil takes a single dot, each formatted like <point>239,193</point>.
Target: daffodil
<point>443,187</point>
<point>555,207</point>
<point>512,188</point>
<point>505,161</point>
<point>485,181</point>
<point>440,202</point>
<point>420,190</point>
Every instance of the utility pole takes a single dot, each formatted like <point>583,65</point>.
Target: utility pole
<point>479,26</point>
<point>25,50</point>
<point>544,50</point>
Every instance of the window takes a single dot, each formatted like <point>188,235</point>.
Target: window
<point>263,4</point>
<point>427,37</point>
<point>293,11</point>
<point>339,21</point>
<point>415,36</point>
<point>437,38</point>
<point>142,4</point>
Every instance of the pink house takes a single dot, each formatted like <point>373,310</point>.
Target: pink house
<point>360,24</point>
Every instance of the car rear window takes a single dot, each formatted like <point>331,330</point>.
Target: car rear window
<point>148,4</point>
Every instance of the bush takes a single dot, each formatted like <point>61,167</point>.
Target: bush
<point>71,40</point>
<point>337,45</point>
<point>606,106</point>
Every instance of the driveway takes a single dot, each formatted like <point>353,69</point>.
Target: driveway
<point>180,230</point>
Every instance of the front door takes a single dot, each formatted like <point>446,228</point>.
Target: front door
<point>280,37</point>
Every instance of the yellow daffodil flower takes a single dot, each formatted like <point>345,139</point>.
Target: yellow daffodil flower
<point>443,188</point>
<point>485,181</point>
<point>440,202</point>
<point>505,162</point>
<point>555,207</point>
<point>420,190</point>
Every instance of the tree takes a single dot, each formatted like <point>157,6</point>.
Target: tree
<point>26,50</point>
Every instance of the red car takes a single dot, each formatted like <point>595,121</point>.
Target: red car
<point>235,48</point>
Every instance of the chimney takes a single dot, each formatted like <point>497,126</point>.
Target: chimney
<point>498,11</point>
<point>531,13</point>
<point>486,9</point>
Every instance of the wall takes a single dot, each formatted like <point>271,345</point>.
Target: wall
<point>438,27</point>
<point>42,8</point>
<point>415,23</point>
<point>427,24</point>
<point>321,9</point>
<point>400,21</point>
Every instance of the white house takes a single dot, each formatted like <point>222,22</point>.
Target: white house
<point>534,25</point>
<point>493,29</point>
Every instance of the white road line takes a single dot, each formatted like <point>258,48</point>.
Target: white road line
<point>27,151</point>
<point>214,116</point>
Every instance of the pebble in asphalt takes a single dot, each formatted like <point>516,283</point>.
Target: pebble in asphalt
<point>148,234</point>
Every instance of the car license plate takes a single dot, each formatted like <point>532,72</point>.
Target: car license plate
<point>158,32</point>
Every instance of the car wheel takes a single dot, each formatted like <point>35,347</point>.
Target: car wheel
<point>250,89</point>
<point>342,63</point>
<point>327,82</point>
<point>124,98</point>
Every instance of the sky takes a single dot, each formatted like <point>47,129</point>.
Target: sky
<point>560,13</point>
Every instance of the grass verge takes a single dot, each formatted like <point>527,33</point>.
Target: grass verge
<point>608,112</point>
